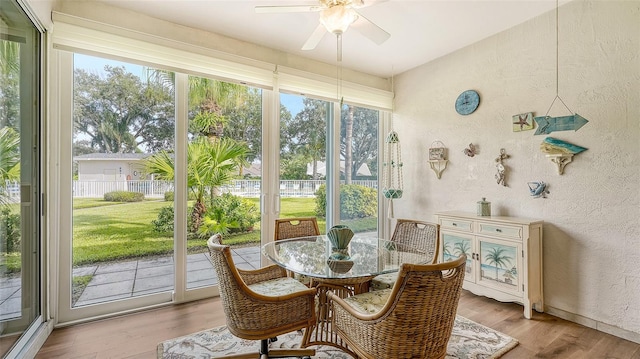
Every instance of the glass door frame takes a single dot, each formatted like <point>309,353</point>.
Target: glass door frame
<point>270,197</point>
<point>33,322</point>
<point>62,65</point>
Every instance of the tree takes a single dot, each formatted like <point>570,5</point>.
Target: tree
<point>119,113</point>
<point>360,130</point>
<point>209,165</point>
<point>348,145</point>
<point>209,99</point>
<point>10,84</point>
<point>245,123</point>
<point>294,167</point>
<point>305,134</point>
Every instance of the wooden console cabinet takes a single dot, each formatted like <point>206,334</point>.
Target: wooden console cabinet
<point>504,256</point>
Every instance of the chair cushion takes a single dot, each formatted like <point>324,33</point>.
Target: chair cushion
<point>277,287</point>
<point>384,281</point>
<point>369,302</point>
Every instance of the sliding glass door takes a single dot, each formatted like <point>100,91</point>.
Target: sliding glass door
<point>359,156</point>
<point>318,152</point>
<point>20,246</point>
<point>161,161</point>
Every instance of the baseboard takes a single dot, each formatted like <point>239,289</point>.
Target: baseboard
<point>594,324</point>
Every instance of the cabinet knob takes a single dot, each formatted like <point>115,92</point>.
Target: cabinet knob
<point>454,224</point>
<point>498,230</point>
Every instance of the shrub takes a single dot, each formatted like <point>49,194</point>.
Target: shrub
<point>124,196</point>
<point>10,230</point>
<point>169,196</point>
<point>321,201</point>
<point>356,201</point>
<point>164,222</point>
<point>229,214</point>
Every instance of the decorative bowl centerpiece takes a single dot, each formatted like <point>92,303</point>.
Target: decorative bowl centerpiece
<point>340,265</point>
<point>339,236</point>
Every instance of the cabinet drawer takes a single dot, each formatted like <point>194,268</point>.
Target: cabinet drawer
<point>500,230</point>
<point>457,224</point>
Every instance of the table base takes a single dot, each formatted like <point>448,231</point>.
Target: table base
<point>321,332</point>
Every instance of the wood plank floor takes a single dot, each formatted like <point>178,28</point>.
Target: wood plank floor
<point>136,335</point>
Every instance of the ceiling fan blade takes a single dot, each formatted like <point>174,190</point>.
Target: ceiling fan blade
<point>315,38</point>
<point>292,8</point>
<point>359,4</point>
<point>372,31</point>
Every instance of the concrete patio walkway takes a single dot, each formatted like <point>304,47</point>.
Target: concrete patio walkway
<point>146,276</point>
<point>120,280</point>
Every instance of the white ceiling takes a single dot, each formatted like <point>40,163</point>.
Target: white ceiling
<point>420,30</point>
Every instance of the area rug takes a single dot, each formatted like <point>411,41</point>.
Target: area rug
<point>468,340</point>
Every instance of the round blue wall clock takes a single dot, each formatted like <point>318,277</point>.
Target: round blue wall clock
<point>467,102</point>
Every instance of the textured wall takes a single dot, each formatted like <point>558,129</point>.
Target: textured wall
<point>592,215</point>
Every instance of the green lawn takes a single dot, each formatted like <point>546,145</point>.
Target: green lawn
<point>108,231</point>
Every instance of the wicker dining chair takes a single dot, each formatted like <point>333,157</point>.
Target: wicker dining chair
<point>261,304</point>
<point>296,227</point>
<point>420,236</point>
<point>414,319</point>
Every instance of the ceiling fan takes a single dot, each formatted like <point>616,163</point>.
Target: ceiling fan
<point>336,16</point>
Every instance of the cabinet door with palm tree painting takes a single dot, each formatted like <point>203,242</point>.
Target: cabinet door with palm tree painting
<point>454,245</point>
<point>500,264</point>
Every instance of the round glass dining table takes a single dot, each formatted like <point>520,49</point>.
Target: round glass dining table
<point>365,257</point>
<point>345,272</point>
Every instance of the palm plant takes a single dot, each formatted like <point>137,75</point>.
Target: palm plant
<point>209,166</point>
<point>9,160</point>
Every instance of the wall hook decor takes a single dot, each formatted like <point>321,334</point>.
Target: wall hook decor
<point>438,158</point>
<point>500,175</point>
<point>538,189</point>
<point>471,150</point>
<point>438,166</point>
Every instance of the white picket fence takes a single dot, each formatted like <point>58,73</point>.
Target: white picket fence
<point>157,189</point>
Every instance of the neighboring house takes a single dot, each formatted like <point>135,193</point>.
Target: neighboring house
<point>322,169</point>
<point>110,166</point>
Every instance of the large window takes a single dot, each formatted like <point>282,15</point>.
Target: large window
<point>153,162</point>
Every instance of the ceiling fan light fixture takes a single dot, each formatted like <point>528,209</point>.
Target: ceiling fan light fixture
<point>337,18</point>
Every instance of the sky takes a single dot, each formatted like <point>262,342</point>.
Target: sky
<point>96,65</point>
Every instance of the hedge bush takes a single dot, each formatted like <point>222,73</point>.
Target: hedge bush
<point>10,230</point>
<point>356,201</point>
<point>169,196</point>
<point>124,196</point>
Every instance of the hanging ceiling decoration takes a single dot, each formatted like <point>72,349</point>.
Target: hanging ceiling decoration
<point>336,17</point>
<point>392,167</point>
<point>392,186</point>
<point>547,124</point>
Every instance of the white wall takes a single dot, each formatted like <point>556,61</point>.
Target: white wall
<point>592,215</point>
